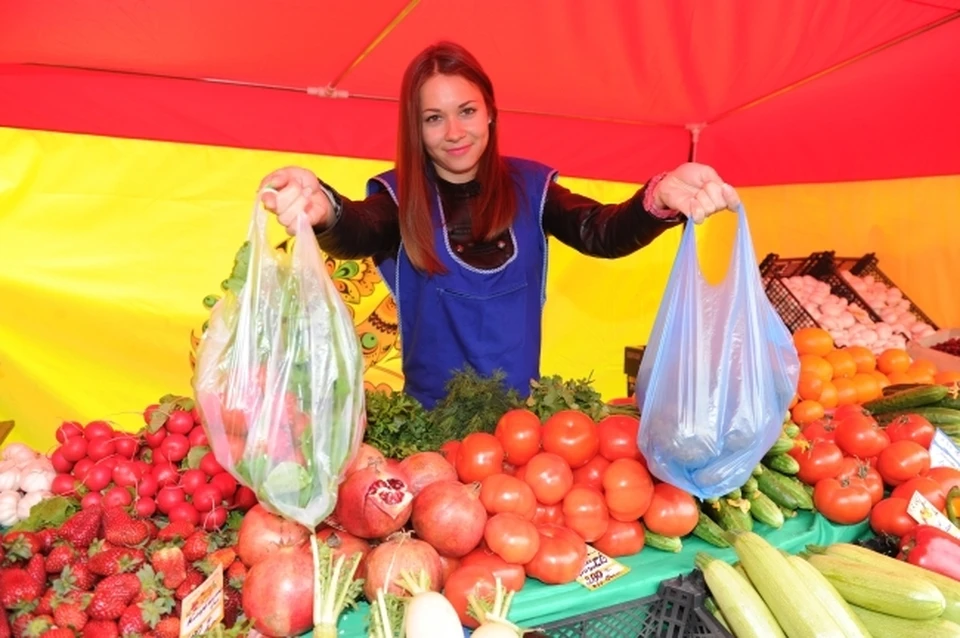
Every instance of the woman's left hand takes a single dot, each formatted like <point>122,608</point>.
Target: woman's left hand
<point>696,191</point>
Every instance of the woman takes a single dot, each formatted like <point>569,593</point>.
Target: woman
<point>459,233</point>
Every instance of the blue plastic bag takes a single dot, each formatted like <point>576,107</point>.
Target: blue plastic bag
<point>717,376</point>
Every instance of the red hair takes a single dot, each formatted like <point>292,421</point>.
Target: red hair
<point>496,207</point>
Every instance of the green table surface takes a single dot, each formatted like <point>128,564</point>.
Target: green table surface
<point>538,604</point>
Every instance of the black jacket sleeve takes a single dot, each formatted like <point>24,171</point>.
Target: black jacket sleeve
<point>363,228</point>
<point>601,230</point>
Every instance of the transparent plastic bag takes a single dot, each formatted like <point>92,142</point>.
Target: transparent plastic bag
<point>718,374</point>
<point>279,379</point>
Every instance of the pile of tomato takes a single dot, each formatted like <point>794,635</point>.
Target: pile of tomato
<point>860,470</point>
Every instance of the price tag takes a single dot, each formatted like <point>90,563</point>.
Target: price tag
<point>5,428</point>
<point>925,513</point>
<point>943,451</point>
<point>202,609</point>
<point>599,569</point>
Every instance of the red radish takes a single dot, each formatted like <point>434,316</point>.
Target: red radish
<point>197,437</point>
<point>97,429</point>
<point>175,447</point>
<point>214,519</point>
<point>145,507</point>
<point>364,455</point>
<point>278,593</point>
<point>168,497</point>
<point>74,449</point>
<point>142,468</point>
<point>148,485</point>
<point>192,480</point>
<point>98,478</point>
<point>207,497</point>
<point>195,415</point>
<point>100,447</point>
<point>68,429</point>
<point>59,463</point>
<point>166,474</point>
<point>400,553</point>
<point>91,499</point>
<point>450,516</point>
<point>210,465</point>
<point>179,422</point>
<point>226,483</point>
<point>126,446</point>
<point>245,498</point>
<point>158,457</point>
<point>117,496</point>
<point>424,468</point>
<point>125,474</point>
<point>110,462</point>
<point>82,468</point>
<point>374,502</point>
<point>183,512</point>
<point>263,534</point>
<point>63,484</point>
<point>154,439</point>
<point>148,413</point>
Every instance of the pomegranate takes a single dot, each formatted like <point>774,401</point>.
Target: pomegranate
<point>400,552</point>
<point>374,502</point>
<point>345,544</point>
<point>450,516</point>
<point>278,593</point>
<point>365,453</point>
<point>263,534</point>
<point>424,468</point>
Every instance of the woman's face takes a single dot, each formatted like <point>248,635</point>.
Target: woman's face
<point>455,126</point>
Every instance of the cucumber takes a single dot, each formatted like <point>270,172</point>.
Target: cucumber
<point>731,515</point>
<point>787,512</point>
<point>899,387</point>
<point>893,627</point>
<point>829,598</point>
<point>791,430</point>
<point>663,543</point>
<point>740,604</point>
<point>907,399</point>
<point>783,463</point>
<point>782,446</point>
<point>764,510</point>
<point>757,470</point>
<point>750,486</point>
<point>735,495</point>
<point>783,490</point>
<point>896,594</point>
<point>707,530</point>
<point>935,414</point>
<point>948,402</point>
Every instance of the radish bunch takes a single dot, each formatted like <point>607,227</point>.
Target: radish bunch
<point>166,468</point>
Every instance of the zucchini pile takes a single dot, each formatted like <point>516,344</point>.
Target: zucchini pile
<point>839,591</point>
<point>938,404</point>
<point>770,496</point>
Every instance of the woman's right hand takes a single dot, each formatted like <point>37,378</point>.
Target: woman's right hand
<point>298,193</point>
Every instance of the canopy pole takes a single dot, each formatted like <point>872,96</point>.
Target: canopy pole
<point>695,130</point>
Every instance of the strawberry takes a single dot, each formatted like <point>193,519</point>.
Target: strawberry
<point>22,545</point>
<point>236,574</point>
<point>79,575</point>
<point>5,630</point>
<point>59,557</point>
<point>177,530</point>
<point>34,626</point>
<point>82,528</point>
<point>194,579</point>
<point>152,528</point>
<point>232,606</point>
<point>22,622</point>
<point>133,621</point>
<point>112,595</point>
<point>116,560</point>
<point>119,528</point>
<point>17,586</point>
<point>36,568</point>
<point>101,629</point>
<point>45,606</point>
<point>57,632</point>
<point>47,538</point>
<point>223,557</point>
<point>168,627</point>
<point>70,615</point>
<point>197,546</point>
<point>171,563</point>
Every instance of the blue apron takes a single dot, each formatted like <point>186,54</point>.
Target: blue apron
<point>487,319</point>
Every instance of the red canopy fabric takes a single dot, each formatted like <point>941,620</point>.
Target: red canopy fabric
<point>781,92</point>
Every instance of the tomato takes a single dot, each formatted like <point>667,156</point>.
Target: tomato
<point>820,430</point>
<point>817,461</point>
<point>512,538</point>
<point>479,456</point>
<point>449,451</point>
<point>549,476</point>
<point>889,516</point>
<point>585,512</point>
<point>548,514</point>
<point>845,502</point>
<point>860,436</point>
<point>571,435</point>
<point>467,580</point>
<point>618,437</point>
<point>591,474</point>
<point>911,427</point>
<point>512,576</point>
<point>849,410</point>
<point>947,477</point>
<point>672,511</point>
<point>902,461</point>
<point>503,493</point>
<point>928,487</point>
<point>628,489</point>
<point>519,433</point>
<point>622,538</point>
<point>851,468</point>
<point>560,558</point>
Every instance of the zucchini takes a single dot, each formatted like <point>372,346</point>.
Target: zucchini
<point>893,627</point>
<point>663,543</point>
<point>711,606</point>
<point>783,490</point>
<point>935,414</point>
<point>731,515</point>
<point>949,587</point>
<point>907,399</point>
<point>783,463</point>
<point>785,594</point>
<point>740,604</point>
<point>864,585</point>
<point>764,510</point>
<point>707,530</point>
<point>782,446</point>
<point>829,598</point>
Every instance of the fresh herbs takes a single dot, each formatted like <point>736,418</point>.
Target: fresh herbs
<point>552,394</point>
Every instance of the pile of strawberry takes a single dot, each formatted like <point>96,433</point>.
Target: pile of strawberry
<point>106,573</point>
<point>167,468</point>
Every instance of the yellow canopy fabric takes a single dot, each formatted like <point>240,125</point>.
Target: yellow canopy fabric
<point>108,247</point>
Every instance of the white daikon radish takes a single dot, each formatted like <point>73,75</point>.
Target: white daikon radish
<point>429,614</point>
